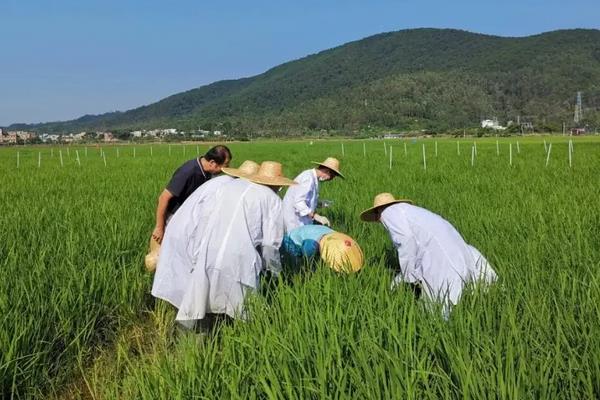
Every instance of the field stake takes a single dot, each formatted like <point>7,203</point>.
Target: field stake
<point>570,154</point>
<point>61,159</point>
<point>86,151</point>
<point>134,152</point>
<point>117,152</point>
<point>518,148</point>
<point>77,155</point>
<point>545,147</point>
<point>424,158</point>
<point>384,148</point>
<point>183,149</point>
<point>548,155</point>
<point>51,152</point>
<point>39,159</point>
<point>405,150</point>
<point>436,148</point>
<point>473,155</point>
<point>68,153</point>
<point>458,147</point>
<point>104,158</point>
<point>497,148</point>
<point>364,150</point>
<point>343,154</point>
<point>510,154</point>
<point>390,157</point>
<point>197,150</point>
<point>18,159</point>
<point>150,151</point>
<point>169,149</point>
<point>475,146</point>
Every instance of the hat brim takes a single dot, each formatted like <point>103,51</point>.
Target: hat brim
<point>235,172</point>
<point>369,214</point>
<point>338,173</point>
<point>270,181</point>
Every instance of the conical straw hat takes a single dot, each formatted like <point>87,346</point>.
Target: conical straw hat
<point>382,200</point>
<point>152,257</point>
<point>341,253</point>
<point>331,163</point>
<point>248,167</point>
<point>270,173</point>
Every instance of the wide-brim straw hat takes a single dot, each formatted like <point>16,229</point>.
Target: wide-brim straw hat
<point>247,168</point>
<point>341,253</point>
<point>151,259</point>
<point>270,173</point>
<point>331,163</point>
<point>381,201</point>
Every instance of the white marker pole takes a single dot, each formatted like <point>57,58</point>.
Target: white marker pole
<point>183,149</point>
<point>343,153</point>
<point>18,159</point>
<point>405,150</point>
<point>436,148</point>
<point>475,146</point>
<point>458,147</point>
<point>104,158</point>
<point>134,152</point>
<point>548,156</point>
<point>197,150</point>
<point>61,159</point>
<point>384,148</point>
<point>117,152</point>
<point>391,157</point>
<point>51,152</point>
<point>570,155</point>
<point>78,160</point>
<point>364,150</point>
<point>151,151</point>
<point>473,156</point>
<point>497,148</point>
<point>424,158</point>
<point>518,148</point>
<point>510,154</point>
<point>545,147</point>
<point>86,151</point>
<point>169,149</point>
<point>39,159</point>
<point>68,153</point>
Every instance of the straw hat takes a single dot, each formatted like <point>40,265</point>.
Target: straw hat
<point>381,201</point>
<point>270,173</point>
<point>331,163</point>
<point>248,167</point>
<point>152,257</point>
<point>341,253</point>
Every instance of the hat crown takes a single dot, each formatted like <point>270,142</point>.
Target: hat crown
<point>249,167</point>
<point>383,198</point>
<point>270,169</point>
<point>332,163</point>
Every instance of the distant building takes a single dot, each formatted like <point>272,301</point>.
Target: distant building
<point>136,134</point>
<point>217,133</point>
<point>578,131</point>
<point>492,124</point>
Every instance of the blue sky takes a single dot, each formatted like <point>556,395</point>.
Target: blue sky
<point>64,59</point>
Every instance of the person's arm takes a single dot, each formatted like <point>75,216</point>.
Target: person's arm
<point>272,232</point>
<point>161,214</point>
<point>301,191</point>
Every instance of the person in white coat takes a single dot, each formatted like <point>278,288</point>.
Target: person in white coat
<point>431,252</point>
<point>241,238</point>
<point>300,201</point>
<point>184,231</point>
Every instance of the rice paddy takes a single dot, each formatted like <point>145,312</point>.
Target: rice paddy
<point>77,319</point>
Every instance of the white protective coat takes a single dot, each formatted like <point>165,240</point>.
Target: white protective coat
<point>300,200</point>
<point>432,252</point>
<point>181,242</point>
<point>246,218</point>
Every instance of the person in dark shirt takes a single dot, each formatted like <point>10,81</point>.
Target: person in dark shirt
<point>184,181</point>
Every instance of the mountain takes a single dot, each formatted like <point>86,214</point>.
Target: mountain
<point>436,79</point>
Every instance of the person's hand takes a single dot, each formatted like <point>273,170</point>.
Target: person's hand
<point>322,220</point>
<point>158,234</point>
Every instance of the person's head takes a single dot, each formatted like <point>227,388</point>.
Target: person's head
<point>328,169</point>
<point>216,158</point>
<point>270,174</point>
<point>380,203</point>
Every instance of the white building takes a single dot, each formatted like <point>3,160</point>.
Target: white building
<point>492,124</point>
<point>136,134</point>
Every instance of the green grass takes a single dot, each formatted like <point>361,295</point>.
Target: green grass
<point>76,317</point>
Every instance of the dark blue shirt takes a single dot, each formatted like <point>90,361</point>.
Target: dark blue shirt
<point>184,182</point>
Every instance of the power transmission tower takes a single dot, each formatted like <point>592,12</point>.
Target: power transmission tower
<point>578,110</point>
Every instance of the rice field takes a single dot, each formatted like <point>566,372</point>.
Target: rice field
<point>77,319</point>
